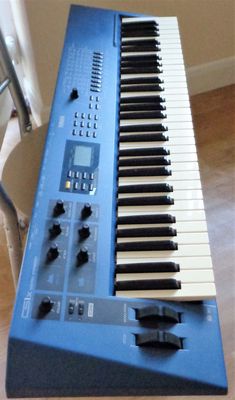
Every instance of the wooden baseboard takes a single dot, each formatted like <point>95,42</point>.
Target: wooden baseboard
<point>209,76</point>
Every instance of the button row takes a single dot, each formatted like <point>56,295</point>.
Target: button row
<point>79,186</point>
<point>97,106</point>
<point>89,124</point>
<point>80,175</point>
<point>82,133</point>
<point>96,72</point>
<point>96,98</point>
<point>83,116</point>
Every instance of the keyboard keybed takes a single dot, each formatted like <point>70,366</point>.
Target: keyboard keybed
<point>162,246</point>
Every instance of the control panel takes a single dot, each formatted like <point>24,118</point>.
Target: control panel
<point>71,239</point>
<point>80,167</point>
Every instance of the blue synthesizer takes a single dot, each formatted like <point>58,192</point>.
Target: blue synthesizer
<point>116,294</point>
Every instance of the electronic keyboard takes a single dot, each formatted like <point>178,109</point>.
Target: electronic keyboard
<point>118,231</point>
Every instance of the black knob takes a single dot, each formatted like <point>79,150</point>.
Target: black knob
<point>55,230</point>
<point>84,232</point>
<point>52,253</point>
<point>86,211</point>
<point>74,94</point>
<point>82,256</point>
<point>46,305</point>
<point>59,208</point>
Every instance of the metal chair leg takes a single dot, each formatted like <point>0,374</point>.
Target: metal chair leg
<point>11,227</point>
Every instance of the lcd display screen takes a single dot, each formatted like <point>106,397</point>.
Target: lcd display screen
<point>82,156</point>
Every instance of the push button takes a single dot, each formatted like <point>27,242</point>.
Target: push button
<point>70,174</point>
<point>80,308</point>
<point>67,185</point>
<point>71,307</point>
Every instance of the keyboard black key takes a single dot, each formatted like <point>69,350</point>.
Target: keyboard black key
<point>142,107</point>
<point>146,188</point>
<point>141,88</point>
<point>143,128</point>
<point>143,99</point>
<point>146,219</point>
<point>145,137</point>
<point>145,201</point>
<point>139,24</point>
<point>140,33</point>
<point>140,49</point>
<point>141,42</point>
<point>158,245</point>
<point>143,64</point>
<point>148,58</point>
<point>162,266</point>
<point>142,115</point>
<point>150,284</point>
<point>148,171</point>
<point>140,161</point>
<point>141,70</point>
<point>147,232</point>
<point>140,81</point>
<point>151,151</point>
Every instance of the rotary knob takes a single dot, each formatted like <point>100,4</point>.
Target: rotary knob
<point>74,94</point>
<point>84,232</point>
<point>52,253</point>
<point>86,211</point>
<point>82,256</point>
<point>55,230</point>
<point>46,305</point>
<point>59,208</point>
